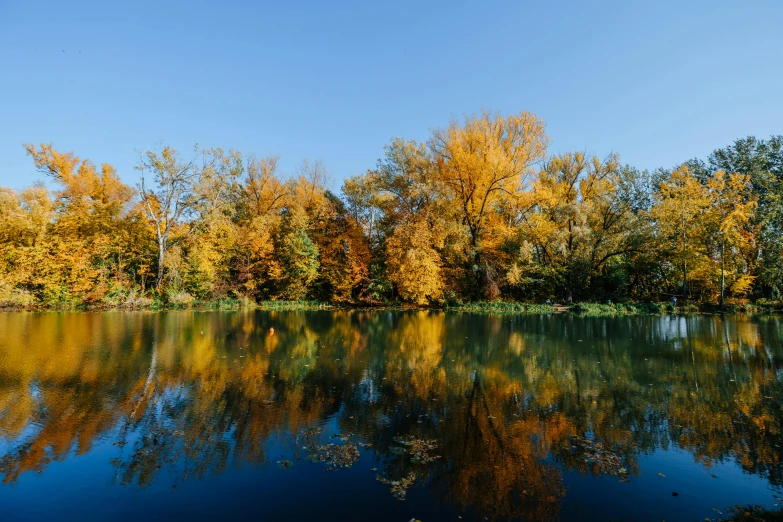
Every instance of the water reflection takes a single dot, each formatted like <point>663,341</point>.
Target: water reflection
<point>514,403</point>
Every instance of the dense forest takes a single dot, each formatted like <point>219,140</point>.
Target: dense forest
<point>480,212</point>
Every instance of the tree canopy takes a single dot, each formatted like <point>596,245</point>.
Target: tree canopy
<point>477,212</point>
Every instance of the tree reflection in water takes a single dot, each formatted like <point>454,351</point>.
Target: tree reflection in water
<point>513,402</point>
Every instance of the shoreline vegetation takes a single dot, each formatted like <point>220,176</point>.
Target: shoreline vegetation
<point>479,218</point>
<point>584,309</point>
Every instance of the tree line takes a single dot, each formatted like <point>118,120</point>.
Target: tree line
<point>479,212</point>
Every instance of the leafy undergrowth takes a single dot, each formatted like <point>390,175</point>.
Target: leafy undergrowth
<point>183,301</point>
<point>244,304</point>
<point>760,307</point>
<point>601,309</point>
<point>293,305</point>
<point>500,307</point>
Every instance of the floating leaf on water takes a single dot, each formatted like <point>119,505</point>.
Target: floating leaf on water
<point>399,488</point>
<point>337,456</point>
<point>600,458</point>
<point>284,464</point>
<point>312,431</point>
<point>418,449</point>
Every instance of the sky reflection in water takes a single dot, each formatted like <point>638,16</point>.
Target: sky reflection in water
<point>387,415</point>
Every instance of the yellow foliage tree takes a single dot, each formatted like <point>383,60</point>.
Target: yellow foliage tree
<point>577,224</point>
<point>730,214</point>
<point>482,166</point>
<point>414,263</point>
<point>681,213</point>
<point>84,250</point>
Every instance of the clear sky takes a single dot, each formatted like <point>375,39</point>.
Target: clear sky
<point>658,82</point>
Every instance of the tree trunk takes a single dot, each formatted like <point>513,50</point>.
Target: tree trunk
<point>722,270</point>
<point>161,254</point>
<point>684,260</point>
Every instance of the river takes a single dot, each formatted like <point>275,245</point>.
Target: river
<point>387,415</point>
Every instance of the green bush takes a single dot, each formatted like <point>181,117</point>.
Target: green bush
<point>609,309</point>
<point>502,307</point>
<point>293,305</point>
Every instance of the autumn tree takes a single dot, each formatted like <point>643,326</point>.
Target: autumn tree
<point>88,199</point>
<point>178,193</point>
<point>578,229</point>
<point>24,222</point>
<point>731,211</point>
<point>762,161</point>
<point>210,248</point>
<point>297,255</point>
<point>390,202</point>
<point>482,165</point>
<point>680,212</point>
<point>343,253</point>
<point>308,188</point>
<point>414,263</point>
<point>261,191</point>
<point>85,248</point>
<point>258,201</point>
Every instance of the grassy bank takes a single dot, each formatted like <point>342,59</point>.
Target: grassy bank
<point>583,309</point>
<point>501,307</point>
<point>294,305</point>
<point>249,304</point>
<point>158,305</point>
<point>601,309</point>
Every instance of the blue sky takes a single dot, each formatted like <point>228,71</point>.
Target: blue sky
<point>658,82</point>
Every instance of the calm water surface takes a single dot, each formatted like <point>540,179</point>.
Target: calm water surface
<point>387,416</point>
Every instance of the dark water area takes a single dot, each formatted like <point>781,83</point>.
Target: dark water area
<point>387,416</point>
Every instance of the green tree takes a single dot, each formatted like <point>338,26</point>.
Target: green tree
<point>580,226</point>
<point>297,255</point>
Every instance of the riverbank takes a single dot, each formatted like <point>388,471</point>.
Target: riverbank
<point>585,309</point>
